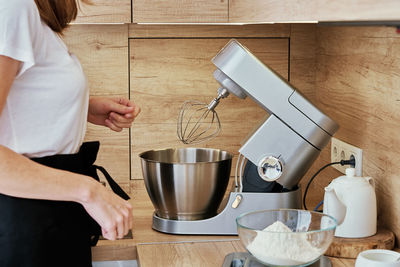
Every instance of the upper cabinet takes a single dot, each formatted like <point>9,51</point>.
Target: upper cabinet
<point>259,11</point>
<point>238,11</point>
<point>180,11</point>
<point>105,11</point>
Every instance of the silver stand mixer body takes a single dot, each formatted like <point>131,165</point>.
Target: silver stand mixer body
<point>224,222</point>
<point>283,148</point>
<point>295,132</point>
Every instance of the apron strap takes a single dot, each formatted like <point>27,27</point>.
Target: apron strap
<point>114,186</point>
<point>83,163</point>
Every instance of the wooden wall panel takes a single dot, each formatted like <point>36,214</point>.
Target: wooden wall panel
<point>258,11</point>
<point>210,31</point>
<point>303,40</point>
<point>357,83</point>
<point>103,53</point>
<point>166,72</point>
<point>104,11</point>
<point>176,11</point>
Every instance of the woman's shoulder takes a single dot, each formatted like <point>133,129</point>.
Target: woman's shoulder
<point>14,12</point>
<point>18,6</point>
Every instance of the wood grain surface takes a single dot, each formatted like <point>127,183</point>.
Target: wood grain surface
<point>198,254</point>
<point>104,11</point>
<point>186,253</point>
<point>252,11</point>
<point>357,82</point>
<point>351,247</point>
<point>211,31</point>
<point>303,40</point>
<point>180,11</point>
<point>167,72</point>
<point>103,53</point>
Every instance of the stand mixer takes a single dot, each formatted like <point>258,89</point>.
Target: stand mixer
<point>282,148</point>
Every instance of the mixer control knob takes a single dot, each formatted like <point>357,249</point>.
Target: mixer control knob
<point>270,168</point>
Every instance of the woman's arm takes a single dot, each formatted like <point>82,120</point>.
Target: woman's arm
<point>22,177</point>
<point>17,169</point>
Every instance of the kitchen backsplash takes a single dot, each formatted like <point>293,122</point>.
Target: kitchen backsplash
<point>357,82</point>
<point>351,73</point>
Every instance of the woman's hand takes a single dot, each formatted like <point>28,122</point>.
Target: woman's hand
<point>111,212</point>
<point>115,113</point>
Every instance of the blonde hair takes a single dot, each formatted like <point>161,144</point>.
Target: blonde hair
<point>57,14</point>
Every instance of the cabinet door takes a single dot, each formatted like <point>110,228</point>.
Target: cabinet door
<point>105,11</point>
<point>179,11</point>
<point>103,52</point>
<point>167,72</point>
<point>258,11</point>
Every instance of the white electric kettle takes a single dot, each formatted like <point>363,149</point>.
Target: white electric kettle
<point>352,201</point>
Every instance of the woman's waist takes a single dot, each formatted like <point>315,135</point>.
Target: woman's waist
<point>79,162</point>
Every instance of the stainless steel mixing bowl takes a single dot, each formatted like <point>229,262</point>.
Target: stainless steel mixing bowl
<point>186,183</point>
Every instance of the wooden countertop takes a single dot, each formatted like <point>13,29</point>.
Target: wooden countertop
<point>199,254</point>
<point>142,232</point>
<point>171,250</point>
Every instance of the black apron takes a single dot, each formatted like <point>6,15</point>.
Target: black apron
<point>41,233</point>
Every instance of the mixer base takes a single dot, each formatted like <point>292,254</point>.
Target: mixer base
<point>224,223</point>
<point>245,259</point>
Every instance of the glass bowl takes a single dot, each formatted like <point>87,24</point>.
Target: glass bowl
<point>286,237</point>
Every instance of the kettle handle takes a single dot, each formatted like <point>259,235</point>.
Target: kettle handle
<point>371,181</point>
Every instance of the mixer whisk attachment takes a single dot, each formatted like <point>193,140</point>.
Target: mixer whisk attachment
<point>199,122</point>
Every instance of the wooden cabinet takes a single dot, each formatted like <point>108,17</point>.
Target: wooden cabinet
<point>161,66</point>
<point>105,11</point>
<point>237,11</point>
<point>178,11</point>
<point>103,52</point>
<point>258,11</point>
<point>165,72</point>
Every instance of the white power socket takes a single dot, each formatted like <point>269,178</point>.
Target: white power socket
<point>342,151</point>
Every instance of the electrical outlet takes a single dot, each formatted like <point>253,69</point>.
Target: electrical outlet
<point>341,150</point>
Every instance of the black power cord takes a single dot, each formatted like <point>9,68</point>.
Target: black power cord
<point>351,162</point>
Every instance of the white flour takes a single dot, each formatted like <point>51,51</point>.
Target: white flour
<point>282,248</point>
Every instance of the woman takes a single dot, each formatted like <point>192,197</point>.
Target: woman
<point>44,106</point>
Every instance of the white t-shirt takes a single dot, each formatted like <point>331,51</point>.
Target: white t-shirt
<point>46,109</point>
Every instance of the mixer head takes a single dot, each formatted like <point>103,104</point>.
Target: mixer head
<point>199,122</point>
